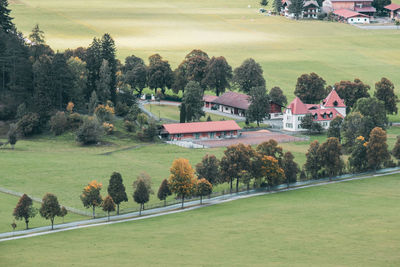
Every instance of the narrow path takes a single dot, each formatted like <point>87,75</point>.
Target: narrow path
<point>170,209</point>
<point>123,149</point>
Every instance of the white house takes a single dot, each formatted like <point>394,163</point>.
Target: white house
<point>352,17</point>
<point>331,107</point>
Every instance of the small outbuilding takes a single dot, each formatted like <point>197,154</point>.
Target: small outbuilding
<point>394,10</point>
<point>200,130</point>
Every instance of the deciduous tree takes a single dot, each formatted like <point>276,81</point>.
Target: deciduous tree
<point>310,88</point>
<point>135,73</point>
<point>218,74</point>
<point>276,95</point>
<point>377,148</point>
<point>290,168</point>
<point>182,179</point>
<point>164,191</point>
<point>329,154</point>
<point>203,188</point>
<point>208,168</point>
<point>374,109</point>
<point>50,208</point>
<point>259,105</point>
<point>350,92</point>
<point>396,148</point>
<point>141,194</point>
<point>63,212</point>
<point>313,161</point>
<point>159,74</point>
<point>24,209</point>
<point>108,205</point>
<point>12,135</point>
<point>358,161</point>
<point>248,75</point>
<point>116,189</point>
<point>335,128</point>
<point>384,91</point>
<point>193,102</point>
<point>273,173</point>
<point>91,197</point>
<point>270,148</point>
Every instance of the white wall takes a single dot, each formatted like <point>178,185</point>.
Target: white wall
<point>357,20</point>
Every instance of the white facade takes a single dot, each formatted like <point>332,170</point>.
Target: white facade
<point>291,122</point>
<point>358,20</point>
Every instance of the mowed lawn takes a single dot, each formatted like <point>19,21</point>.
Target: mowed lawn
<point>346,224</point>
<point>285,49</point>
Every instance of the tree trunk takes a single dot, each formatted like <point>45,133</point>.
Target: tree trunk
<point>248,187</point>
<point>140,209</point>
<point>108,213</point>
<point>183,200</point>
<point>27,223</point>
<point>117,209</point>
<point>165,202</point>
<point>94,215</point>
<point>237,185</point>
<point>231,185</point>
<point>52,223</point>
<point>201,200</point>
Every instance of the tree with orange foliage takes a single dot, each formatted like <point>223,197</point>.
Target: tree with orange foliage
<point>108,205</point>
<point>377,148</point>
<point>182,179</point>
<point>91,196</point>
<point>203,188</point>
<point>274,175</point>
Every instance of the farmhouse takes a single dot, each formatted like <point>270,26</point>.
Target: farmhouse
<point>394,10</point>
<point>200,130</point>
<point>331,107</point>
<point>351,17</point>
<point>311,9</point>
<point>237,104</point>
<point>361,6</point>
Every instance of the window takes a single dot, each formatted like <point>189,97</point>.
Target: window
<point>315,116</point>
<point>299,118</point>
<point>212,135</point>
<point>330,115</point>
<point>197,136</point>
<point>324,123</point>
<point>289,125</point>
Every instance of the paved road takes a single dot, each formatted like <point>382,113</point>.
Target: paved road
<point>378,27</point>
<point>170,209</point>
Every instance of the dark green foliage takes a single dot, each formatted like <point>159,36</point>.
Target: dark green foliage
<point>63,212</point>
<point>37,36</point>
<point>373,109</point>
<point>76,93</point>
<point>377,149</point>
<point>93,102</point>
<point>79,52</point>
<point>121,109</point>
<point>50,208</point>
<point>24,209</point>
<point>108,205</point>
<point>89,132</point>
<point>182,113</point>
<point>277,5</point>
<point>296,7</point>
<point>276,95</point>
<point>358,161</point>
<point>396,149</point>
<point>259,105</point>
<point>93,63</point>
<point>313,162</point>
<point>103,84</point>
<point>141,195</point>
<point>133,112</point>
<point>5,19</point>
<point>350,92</point>
<point>309,124</point>
<point>108,53</point>
<point>63,80</point>
<point>290,168</point>
<point>335,128</point>
<point>218,75</point>
<point>21,111</point>
<point>384,91</point>
<point>208,168</point>
<point>248,75</point>
<point>380,6</point>
<point>12,134</point>
<point>116,189</point>
<point>164,191</point>
<point>135,73</point>
<point>329,154</point>
<point>209,118</point>
<point>310,88</point>
<point>58,123</point>
<point>192,102</point>
<point>159,74</point>
<point>303,176</point>
<point>264,2</point>
<point>196,63</point>
<point>29,124</point>
<point>149,132</point>
<point>352,127</point>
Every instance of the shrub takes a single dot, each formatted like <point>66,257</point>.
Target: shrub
<point>90,131</point>
<point>12,135</point>
<point>74,121</point>
<point>29,124</point>
<point>133,113</point>
<point>130,126</point>
<point>70,107</point>
<point>121,109</point>
<point>104,113</point>
<point>58,123</point>
<point>6,113</point>
<point>21,111</point>
<point>108,127</point>
<point>149,132</point>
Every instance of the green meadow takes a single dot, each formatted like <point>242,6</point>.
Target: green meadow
<point>345,224</point>
<point>285,48</point>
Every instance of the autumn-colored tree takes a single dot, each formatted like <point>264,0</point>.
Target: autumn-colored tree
<point>270,148</point>
<point>116,189</point>
<point>385,92</point>
<point>396,149</point>
<point>164,191</point>
<point>313,162</point>
<point>108,205</point>
<point>237,158</point>
<point>290,168</point>
<point>141,194</point>
<point>273,173</point>
<point>63,212</point>
<point>352,127</point>
<point>147,181</point>
<point>377,148</point>
<point>358,161</point>
<point>330,154</point>
<point>208,168</point>
<point>24,209</point>
<point>203,188</point>
<point>91,196</point>
<point>50,208</point>
<point>245,177</point>
<point>182,179</point>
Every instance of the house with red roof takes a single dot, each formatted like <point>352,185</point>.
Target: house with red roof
<point>394,10</point>
<point>208,100</point>
<point>200,130</point>
<point>331,107</point>
<point>351,17</point>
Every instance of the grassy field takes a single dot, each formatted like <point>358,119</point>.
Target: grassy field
<point>285,49</point>
<point>347,224</point>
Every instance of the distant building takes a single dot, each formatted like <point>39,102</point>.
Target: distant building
<point>351,17</point>
<point>394,11</point>
<point>361,6</point>
<point>208,99</point>
<point>200,130</point>
<point>331,107</point>
<point>311,9</point>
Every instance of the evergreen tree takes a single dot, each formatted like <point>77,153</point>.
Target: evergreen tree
<point>108,52</point>
<point>62,80</point>
<point>384,91</point>
<point>5,20</point>
<point>79,75</point>
<point>93,103</point>
<point>277,5</point>
<point>103,84</point>
<point>296,7</point>
<point>248,75</point>
<point>116,189</point>
<point>259,105</point>
<point>264,2</point>
<point>396,149</point>
<point>94,61</point>
<point>141,195</point>
<point>182,113</point>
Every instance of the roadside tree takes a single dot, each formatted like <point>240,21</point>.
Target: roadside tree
<point>50,208</point>
<point>182,179</point>
<point>24,210</point>
<point>377,148</point>
<point>108,205</point>
<point>164,191</point>
<point>116,189</point>
<point>91,197</point>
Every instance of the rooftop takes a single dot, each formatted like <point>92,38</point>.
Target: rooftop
<point>298,107</point>
<point>201,127</point>
<point>346,13</point>
<point>393,7</point>
<point>233,99</point>
<point>333,100</point>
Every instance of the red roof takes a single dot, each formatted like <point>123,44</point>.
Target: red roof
<point>346,13</point>
<point>201,127</point>
<point>393,7</point>
<point>354,1</point>
<point>333,100</point>
<point>209,98</point>
<point>325,111</point>
<point>365,9</point>
<point>298,107</point>
<point>233,99</point>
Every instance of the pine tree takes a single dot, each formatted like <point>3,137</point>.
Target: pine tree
<point>93,103</point>
<point>296,7</point>
<point>116,189</point>
<point>5,19</point>
<point>277,6</point>
<point>103,84</point>
<point>108,52</point>
<point>93,63</point>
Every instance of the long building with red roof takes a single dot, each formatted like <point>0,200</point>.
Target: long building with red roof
<point>394,10</point>
<point>331,107</point>
<point>200,130</point>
